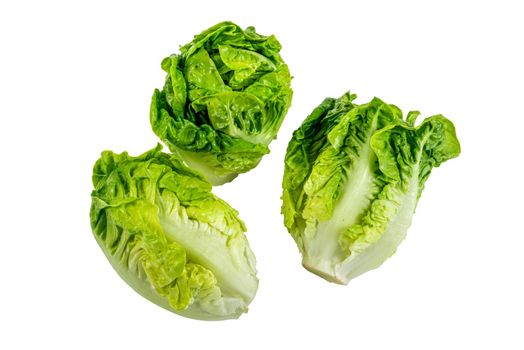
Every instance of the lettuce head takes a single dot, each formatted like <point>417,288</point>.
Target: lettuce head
<point>169,237</point>
<point>353,176</point>
<point>225,96</point>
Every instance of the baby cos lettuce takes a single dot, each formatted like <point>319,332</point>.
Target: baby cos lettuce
<point>169,237</point>
<point>353,176</point>
<point>224,99</point>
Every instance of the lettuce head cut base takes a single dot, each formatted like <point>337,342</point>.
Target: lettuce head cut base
<point>170,238</point>
<point>225,96</point>
<point>353,176</point>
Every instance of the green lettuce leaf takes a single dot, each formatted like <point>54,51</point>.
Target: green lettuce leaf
<point>224,99</point>
<point>353,175</point>
<point>169,237</point>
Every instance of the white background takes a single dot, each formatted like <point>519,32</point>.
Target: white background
<point>76,78</point>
